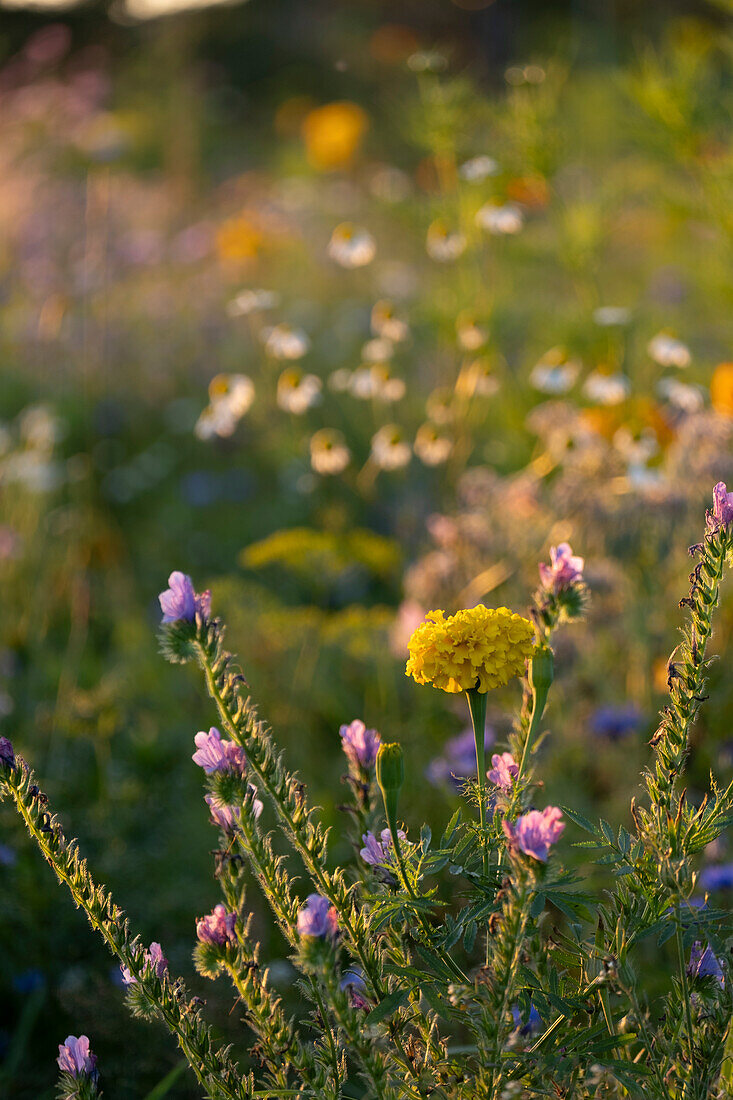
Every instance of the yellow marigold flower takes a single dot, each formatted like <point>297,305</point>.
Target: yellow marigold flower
<point>479,648</point>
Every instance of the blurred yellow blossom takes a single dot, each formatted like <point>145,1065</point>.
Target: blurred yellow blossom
<point>479,648</point>
<point>238,239</point>
<point>721,389</point>
<point>333,134</point>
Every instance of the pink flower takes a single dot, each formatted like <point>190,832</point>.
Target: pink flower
<point>217,927</point>
<point>153,958</point>
<point>180,602</point>
<point>214,755</point>
<point>228,817</point>
<point>379,853</point>
<point>534,832</point>
<point>317,918</point>
<point>76,1058</point>
<point>722,513</point>
<point>503,771</point>
<point>565,568</point>
<point>360,744</point>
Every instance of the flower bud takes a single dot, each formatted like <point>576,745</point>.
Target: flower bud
<point>390,769</point>
<point>541,671</point>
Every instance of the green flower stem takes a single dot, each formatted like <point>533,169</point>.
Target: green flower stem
<point>540,680</point>
<point>685,995</point>
<point>538,709</point>
<point>477,707</point>
<point>213,1069</point>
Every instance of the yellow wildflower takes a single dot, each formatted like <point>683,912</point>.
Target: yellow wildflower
<point>721,389</point>
<point>479,648</point>
<point>333,134</point>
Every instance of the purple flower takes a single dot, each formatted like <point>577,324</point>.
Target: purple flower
<point>458,761</point>
<point>615,722</point>
<point>353,983</point>
<point>535,831</point>
<point>504,771</point>
<point>565,568</point>
<point>722,513</point>
<point>379,853</point>
<point>717,877</point>
<point>229,817</point>
<point>214,755</point>
<point>217,927</point>
<point>7,755</point>
<point>317,918</point>
<point>534,1021</point>
<point>360,744</point>
<point>704,964</point>
<point>181,602</point>
<point>76,1058</point>
<point>154,958</point>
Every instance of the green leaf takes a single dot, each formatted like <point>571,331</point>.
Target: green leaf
<point>579,820</point>
<point>387,1006</point>
<point>537,906</point>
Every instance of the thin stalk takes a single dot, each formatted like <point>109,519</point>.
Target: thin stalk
<point>477,708</point>
<point>685,994</point>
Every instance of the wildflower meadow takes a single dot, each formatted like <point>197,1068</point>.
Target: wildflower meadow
<point>366,521</point>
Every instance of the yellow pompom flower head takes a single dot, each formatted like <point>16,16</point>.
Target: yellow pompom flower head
<point>474,651</point>
<point>477,649</point>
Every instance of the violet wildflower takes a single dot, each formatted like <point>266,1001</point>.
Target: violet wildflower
<point>565,568</point>
<point>533,1024</point>
<point>353,983</point>
<point>7,755</point>
<point>504,770</point>
<point>535,831</point>
<point>214,755</point>
<point>75,1057</point>
<point>317,918</point>
<point>458,761</point>
<point>217,927</point>
<point>154,958</point>
<point>616,722</point>
<point>380,853</point>
<point>360,745</point>
<point>229,817</point>
<point>180,602</point>
<point>722,511</point>
<point>704,963</point>
<point>717,877</point>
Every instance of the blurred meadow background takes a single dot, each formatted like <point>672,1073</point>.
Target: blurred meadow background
<point>350,310</point>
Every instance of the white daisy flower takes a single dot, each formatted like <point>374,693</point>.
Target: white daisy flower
<point>352,246</point>
<point>329,453</point>
<point>431,447</point>
<point>607,389</point>
<point>390,451</point>
<point>284,342</point>
<point>668,351</point>
<point>502,219</point>
<point>297,392</point>
<point>478,168</point>
<point>444,245</point>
